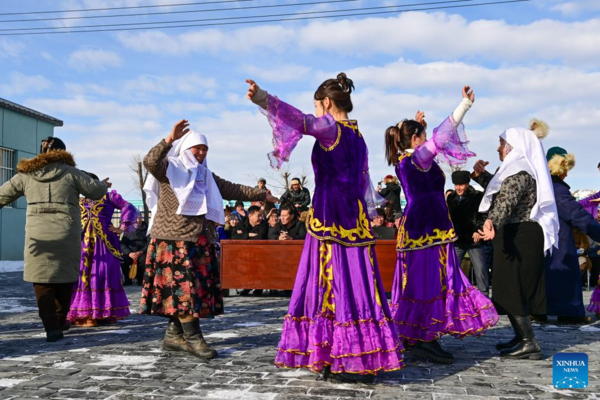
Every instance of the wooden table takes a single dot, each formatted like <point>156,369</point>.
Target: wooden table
<point>272,264</point>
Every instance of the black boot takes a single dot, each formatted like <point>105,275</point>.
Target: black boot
<point>574,320</point>
<point>327,375</point>
<point>174,336</point>
<point>432,351</point>
<point>195,342</point>
<point>54,336</point>
<point>528,347</point>
<point>512,342</point>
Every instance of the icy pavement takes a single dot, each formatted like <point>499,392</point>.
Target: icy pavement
<point>125,361</point>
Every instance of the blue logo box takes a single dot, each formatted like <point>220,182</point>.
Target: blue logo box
<point>570,370</point>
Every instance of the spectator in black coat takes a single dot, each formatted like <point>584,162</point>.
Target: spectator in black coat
<point>297,195</point>
<point>252,228</point>
<point>380,230</point>
<point>134,246</point>
<point>463,204</point>
<point>391,192</point>
<point>288,227</point>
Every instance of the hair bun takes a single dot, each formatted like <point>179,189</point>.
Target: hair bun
<point>539,127</point>
<point>345,82</point>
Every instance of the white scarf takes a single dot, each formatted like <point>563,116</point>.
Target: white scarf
<point>528,155</point>
<point>192,182</point>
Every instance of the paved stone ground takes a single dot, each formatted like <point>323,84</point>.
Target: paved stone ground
<point>125,361</point>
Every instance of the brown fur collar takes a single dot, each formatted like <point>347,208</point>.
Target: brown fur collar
<point>41,160</point>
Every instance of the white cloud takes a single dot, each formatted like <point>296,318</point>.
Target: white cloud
<point>10,49</point>
<point>94,60</point>
<point>418,32</point>
<point>188,83</point>
<point>578,7</point>
<point>19,83</point>
<point>277,73</point>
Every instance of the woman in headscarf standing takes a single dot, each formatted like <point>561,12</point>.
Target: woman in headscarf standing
<point>338,320</point>
<point>563,279</point>
<point>431,296</point>
<point>182,278</point>
<point>522,220</point>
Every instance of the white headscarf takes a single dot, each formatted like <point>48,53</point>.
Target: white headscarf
<point>192,182</point>
<point>528,155</point>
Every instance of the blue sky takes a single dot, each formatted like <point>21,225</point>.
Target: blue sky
<point>120,92</point>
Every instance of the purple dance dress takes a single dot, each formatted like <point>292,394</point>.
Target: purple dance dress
<point>99,293</point>
<point>431,296</point>
<point>338,314</point>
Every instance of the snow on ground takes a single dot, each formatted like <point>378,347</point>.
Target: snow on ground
<point>14,305</point>
<point>11,266</point>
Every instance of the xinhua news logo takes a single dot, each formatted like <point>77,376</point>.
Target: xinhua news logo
<point>570,370</point>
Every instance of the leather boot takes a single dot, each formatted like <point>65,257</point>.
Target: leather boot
<point>514,341</point>
<point>54,336</point>
<point>174,336</point>
<point>432,351</point>
<point>195,342</point>
<point>327,375</point>
<point>584,319</point>
<point>528,347</point>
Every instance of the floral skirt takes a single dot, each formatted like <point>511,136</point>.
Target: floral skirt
<point>432,297</point>
<point>182,279</point>
<point>338,314</point>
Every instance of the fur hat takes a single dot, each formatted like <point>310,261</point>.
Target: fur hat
<point>559,161</point>
<point>461,177</point>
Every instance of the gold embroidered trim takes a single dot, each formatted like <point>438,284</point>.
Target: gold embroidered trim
<point>439,236</point>
<point>337,141</point>
<point>317,366</point>
<point>362,230</point>
<point>403,155</point>
<point>326,277</point>
<point>412,160</point>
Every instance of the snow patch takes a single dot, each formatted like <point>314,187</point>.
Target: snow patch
<point>239,394</point>
<point>64,364</point>
<point>588,328</point>
<point>20,358</point>
<point>222,335</point>
<point>295,373</point>
<point>134,362</point>
<point>106,378</point>
<point>119,332</point>
<point>249,324</point>
<point>11,266</point>
<point>8,383</point>
<point>79,350</point>
<point>14,305</point>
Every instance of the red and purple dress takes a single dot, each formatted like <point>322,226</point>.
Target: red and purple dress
<point>431,296</point>
<point>99,293</point>
<point>338,314</point>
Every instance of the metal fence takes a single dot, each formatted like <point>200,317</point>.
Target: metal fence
<point>7,166</point>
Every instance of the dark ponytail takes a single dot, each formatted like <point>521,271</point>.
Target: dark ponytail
<point>398,138</point>
<point>338,91</point>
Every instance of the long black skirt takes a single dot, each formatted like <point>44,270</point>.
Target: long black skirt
<point>519,270</point>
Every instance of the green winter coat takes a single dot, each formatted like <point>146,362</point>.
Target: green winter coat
<point>52,186</point>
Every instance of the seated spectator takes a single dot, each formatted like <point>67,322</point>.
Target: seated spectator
<point>134,245</point>
<point>240,211</point>
<point>253,227</point>
<point>298,196</point>
<point>272,218</point>
<point>231,223</point>
<point>380,230</point>
<point>288,227</point>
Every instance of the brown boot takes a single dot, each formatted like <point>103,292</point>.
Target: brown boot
<point>195,341</point>
<point>174,336</point>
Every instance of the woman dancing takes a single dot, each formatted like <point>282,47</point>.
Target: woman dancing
<point>99,295</point>
<point>338,320</point>
<point>431,296</point>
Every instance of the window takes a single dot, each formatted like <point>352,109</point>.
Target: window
<point>7,159</point>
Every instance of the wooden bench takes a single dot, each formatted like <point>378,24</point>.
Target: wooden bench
<point>272,264</point>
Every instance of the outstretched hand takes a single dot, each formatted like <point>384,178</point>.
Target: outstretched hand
<point>479,168</point>
<point>467,93</point>
<point>178,131</point>
<point>420,118</point>
<point>252,90</point>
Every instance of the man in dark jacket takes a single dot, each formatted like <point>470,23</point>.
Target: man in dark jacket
<point>289,227</point>
<point>134,246</point>
<point>463,205</point>
<point>297,195</point>
<point>391,192</point>
<point>252,228</point>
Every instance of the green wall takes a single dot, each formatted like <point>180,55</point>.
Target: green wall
<point>23,134</point>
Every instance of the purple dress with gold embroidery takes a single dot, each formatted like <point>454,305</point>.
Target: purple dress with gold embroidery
<point>431,296</point>
<point>338,314</point>
<point>99,293</point>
